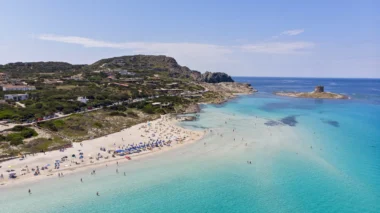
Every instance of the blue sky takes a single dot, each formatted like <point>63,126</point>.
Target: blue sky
<point>243,38</point>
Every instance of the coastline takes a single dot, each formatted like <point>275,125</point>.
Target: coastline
<point>136,135</point>
<point>163,128</point>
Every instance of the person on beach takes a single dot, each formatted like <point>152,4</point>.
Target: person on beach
<point>117,171</point>
<point>81,180</point>
<point>117,163</point>
<point>30,192</point>
<point>125,174</point>
<point>97,193</point>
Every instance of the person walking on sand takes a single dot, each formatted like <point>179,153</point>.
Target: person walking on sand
<point>81,180</point>
<point>97,194</point>
<point>30,192</point>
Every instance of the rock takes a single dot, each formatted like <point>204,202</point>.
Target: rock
<point>187,118</point>
<point>193,108</point>
<point>216,77</point>
<point>317,93</point>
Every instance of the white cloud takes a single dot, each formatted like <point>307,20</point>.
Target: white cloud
<point>204,55</point>
<point>293,32</point>
<point>279,47</point>
<point>144,47</point>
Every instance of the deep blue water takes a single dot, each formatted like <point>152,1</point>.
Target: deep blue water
<point>306,155</point>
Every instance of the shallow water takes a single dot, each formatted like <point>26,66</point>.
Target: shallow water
<point>307,156</point>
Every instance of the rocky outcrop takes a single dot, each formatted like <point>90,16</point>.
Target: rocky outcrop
<point>192,108</point>
<point>216,77</point>
<point>159,63</point>
<point>153,63</point>
<point>187,118</point>
<point>317,93</point>
<point>141,63</point>
<point>229,88</point>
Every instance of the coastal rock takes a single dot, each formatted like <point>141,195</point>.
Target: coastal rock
<point>193,108</point>
<point>187,118</point>
<point>317,93</point>
<point>229,87</point>
<point>216,77</point>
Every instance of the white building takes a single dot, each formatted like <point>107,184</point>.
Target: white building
<point>83,100</point>
<point>16,97</point>
<point>18,88</point>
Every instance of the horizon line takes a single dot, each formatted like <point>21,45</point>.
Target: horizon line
<point>241,76</point>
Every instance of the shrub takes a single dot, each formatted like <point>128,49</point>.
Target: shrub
<point>24,131</point>
<point>58,123</point>
<point>118,108</point>
<point>117,114</point>
<point>159,111</point>
<point>148,109</point>
<point>19,128</point>
<point>50,125</point>
<point>15,138</point>
<point>28,133</point>
<point>98,125</point>
<point>132,114</point>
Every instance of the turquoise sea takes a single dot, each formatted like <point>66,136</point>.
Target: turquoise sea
<point>264,154</point>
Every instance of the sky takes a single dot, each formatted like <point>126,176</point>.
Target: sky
<point>338,38</point>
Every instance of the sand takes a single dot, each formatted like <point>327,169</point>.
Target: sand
<point>163,128</point>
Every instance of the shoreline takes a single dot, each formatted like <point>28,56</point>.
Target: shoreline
<point>158,129</point>
<point>28,178</point>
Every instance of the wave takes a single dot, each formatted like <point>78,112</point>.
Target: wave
<point>333,83</point>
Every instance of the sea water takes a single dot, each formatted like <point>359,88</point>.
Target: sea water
<point>261,153</point>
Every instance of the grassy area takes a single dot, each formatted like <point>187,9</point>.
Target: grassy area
<point>17,135</point>
<point>39,144</point>
<point>80,127</point>
<point>67,87</point>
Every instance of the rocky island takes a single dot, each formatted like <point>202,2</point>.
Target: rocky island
<point>319,92</point>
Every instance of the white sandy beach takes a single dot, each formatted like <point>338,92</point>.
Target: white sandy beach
<point>162,129</point>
